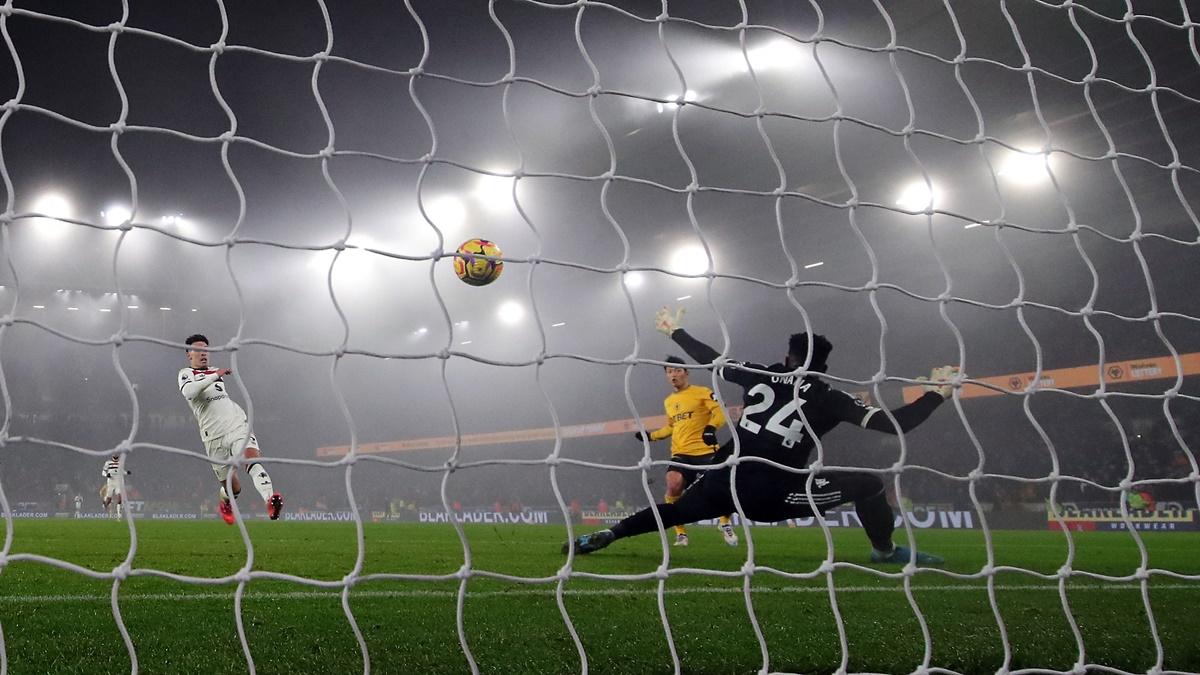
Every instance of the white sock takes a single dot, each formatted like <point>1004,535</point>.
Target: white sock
<point>262,480</point>
<point>118,510</point>
<point>224,494</point>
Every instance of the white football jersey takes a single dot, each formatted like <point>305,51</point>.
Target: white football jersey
<point>215,411</point>
<point>112,469</point>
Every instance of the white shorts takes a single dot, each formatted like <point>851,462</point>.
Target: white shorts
<point>112,489</point>
<point>223,448</point>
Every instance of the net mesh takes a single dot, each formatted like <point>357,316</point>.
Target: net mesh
<point>673,31</point>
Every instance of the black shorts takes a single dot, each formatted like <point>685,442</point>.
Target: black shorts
<point>690,474</point>
<point>768,494</point>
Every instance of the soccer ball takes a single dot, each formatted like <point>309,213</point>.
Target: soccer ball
<point>478,271</point>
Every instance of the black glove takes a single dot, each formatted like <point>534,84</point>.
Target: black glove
<point>638,436</point>
<point>709,435</point>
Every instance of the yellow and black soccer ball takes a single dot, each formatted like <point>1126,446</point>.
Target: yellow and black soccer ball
<point>473,267</point>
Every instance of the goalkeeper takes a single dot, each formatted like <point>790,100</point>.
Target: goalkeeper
<point>783,412</point>
<point>693,416</point>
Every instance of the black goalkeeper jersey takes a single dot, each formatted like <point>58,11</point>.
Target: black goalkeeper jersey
<point>771,426</point>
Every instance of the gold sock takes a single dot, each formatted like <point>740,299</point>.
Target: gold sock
<point>679,529</point>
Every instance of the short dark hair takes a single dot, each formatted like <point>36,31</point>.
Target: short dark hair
<point>673,360</point>
<point>195,338</point>
<point>798,350</point>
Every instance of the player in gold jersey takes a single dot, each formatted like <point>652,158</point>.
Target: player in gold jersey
<point>693,416</point>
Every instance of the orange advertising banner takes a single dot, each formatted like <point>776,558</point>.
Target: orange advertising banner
<point>1115,372</point>
<point>501,437</point>
<point>611,427</point>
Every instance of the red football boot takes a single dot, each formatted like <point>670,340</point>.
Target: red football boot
<point>274,506</point>
<point>226,510</point>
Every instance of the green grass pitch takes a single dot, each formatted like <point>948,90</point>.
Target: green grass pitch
<point>59,621</point>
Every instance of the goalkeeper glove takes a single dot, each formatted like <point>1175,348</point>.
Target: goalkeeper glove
<point>939,380</point>
<point>638,436</point>
<point>709,435</point>
<point>667,322</point>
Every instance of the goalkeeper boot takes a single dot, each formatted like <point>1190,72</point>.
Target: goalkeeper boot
<point>728,533</point>
<point>681,540</point>
<point>226,510</point>
<point>587,543</point>
<point>274,506</point>
<point>900,555</point>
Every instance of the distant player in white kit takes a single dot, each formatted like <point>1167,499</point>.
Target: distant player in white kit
<point>224,427</point>
<point>113,491</point>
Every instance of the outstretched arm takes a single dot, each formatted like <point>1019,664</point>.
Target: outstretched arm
<point>658,434</point>
<point>697,350</point>
<point>908,417</point>
<point>671,324</point>
<point>664,432</point>
<point>702,353</point>
<point>668,324</point>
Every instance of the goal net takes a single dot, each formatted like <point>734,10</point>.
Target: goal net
<point>1006,187</point>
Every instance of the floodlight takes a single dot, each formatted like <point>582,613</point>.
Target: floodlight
<point>1028,167</point>
<point>115,215</point>
<point>918,196</point>
<point>53,205</point>
<point>689,260</point>
<point>777,54</point>
<point>510,312</point>
<point>494,192</point>
<point>447,212</point>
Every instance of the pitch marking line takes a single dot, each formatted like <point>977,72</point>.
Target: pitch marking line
<point>549,591</point>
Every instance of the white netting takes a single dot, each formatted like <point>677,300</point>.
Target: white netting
<point>806,124</point>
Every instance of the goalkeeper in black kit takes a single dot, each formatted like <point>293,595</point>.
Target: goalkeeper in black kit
<point>771,429</point>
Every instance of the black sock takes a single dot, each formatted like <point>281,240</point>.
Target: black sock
<point>877,519</point>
